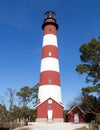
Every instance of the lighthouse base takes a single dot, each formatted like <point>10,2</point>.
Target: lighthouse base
<point>50,120</point>
<point>49,111</point>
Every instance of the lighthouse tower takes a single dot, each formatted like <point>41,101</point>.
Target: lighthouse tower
<point>49,107</point>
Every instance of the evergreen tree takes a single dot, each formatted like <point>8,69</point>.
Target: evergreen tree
<point>28,94</point>
<point>90,57</point>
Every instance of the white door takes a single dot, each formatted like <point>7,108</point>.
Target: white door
<point>76,118</point>
<point>50,114</point>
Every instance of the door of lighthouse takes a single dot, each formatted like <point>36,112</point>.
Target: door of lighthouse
<point>50,111</point>
<point>50,115</point>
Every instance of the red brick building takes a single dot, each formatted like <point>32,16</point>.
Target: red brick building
<point>49,109</point>
<point>75,114</point>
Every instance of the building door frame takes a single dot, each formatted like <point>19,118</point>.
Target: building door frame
<point>76,118</point>
<point>50,114</point>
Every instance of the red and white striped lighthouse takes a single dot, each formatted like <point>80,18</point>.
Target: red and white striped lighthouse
<point>49,106</point>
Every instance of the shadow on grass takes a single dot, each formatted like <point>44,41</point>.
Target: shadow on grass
<point>84,128</point>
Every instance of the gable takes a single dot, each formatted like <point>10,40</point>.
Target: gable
<point>48,100</point>
<point>75,107</point>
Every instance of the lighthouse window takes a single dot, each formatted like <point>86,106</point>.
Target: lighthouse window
<point>49,81</point>
<point>50,30</point>
<point>49,53</point>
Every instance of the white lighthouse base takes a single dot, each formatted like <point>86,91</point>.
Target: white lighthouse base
<point>58,120</point>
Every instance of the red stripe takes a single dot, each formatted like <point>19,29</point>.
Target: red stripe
<point>46,76</point>
<point>49,20</point>
<point>50,29</point>
<point>49,51</point>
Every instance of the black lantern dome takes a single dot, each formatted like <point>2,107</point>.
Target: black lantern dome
<point>50,15</point>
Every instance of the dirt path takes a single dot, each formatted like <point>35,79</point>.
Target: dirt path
<point>52,126</point>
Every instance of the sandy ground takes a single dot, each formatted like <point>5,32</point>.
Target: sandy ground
<point>52,126</point>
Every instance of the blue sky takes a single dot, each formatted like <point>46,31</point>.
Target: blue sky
<point>21,41</point>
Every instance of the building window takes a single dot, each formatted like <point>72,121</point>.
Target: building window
<point>49,101</point>
<point>49,53</point>
<point>49,106</point>
<point>49,81</point>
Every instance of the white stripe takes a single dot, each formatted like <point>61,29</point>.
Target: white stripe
<point>49,39</point>
<point>49,64</point>
<point>50,91</point>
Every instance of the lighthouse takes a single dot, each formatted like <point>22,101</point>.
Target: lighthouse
<point>49,106</point>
